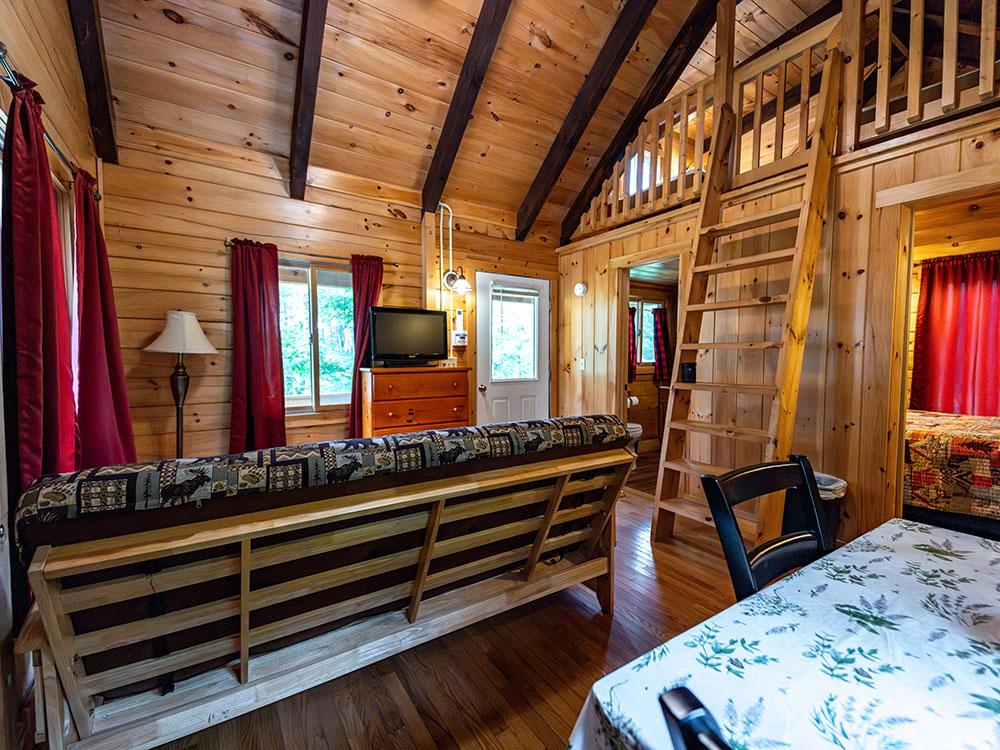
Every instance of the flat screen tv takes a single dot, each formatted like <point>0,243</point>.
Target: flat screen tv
<point>408,336</point>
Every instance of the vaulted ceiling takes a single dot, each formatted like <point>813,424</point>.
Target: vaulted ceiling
<point>225,71</point>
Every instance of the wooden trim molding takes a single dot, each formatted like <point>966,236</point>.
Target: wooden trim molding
<point>969,182</point>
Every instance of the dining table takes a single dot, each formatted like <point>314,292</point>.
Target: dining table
<point>891,641</point>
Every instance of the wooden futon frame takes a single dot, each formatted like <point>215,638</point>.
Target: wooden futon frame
<point>399,568</point>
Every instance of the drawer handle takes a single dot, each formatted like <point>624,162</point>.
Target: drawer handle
<point>454,384</point>
<point>455,409</point>
<point>390,387</point>
<point>392,414</point>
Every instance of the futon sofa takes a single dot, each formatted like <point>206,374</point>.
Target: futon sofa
<point>172,595</point>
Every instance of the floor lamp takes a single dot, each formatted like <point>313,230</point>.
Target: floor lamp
<point>181,335</point>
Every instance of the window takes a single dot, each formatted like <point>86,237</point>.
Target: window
<point>514,333</point>
<point>317,335</point>
<point>633,172</point>
<point>644,329</point>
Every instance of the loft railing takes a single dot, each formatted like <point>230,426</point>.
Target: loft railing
<point>664,165</point>
<point>911,63</point>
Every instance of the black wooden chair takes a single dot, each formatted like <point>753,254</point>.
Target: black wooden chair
<point>753,570</point>
<point>691,725</point>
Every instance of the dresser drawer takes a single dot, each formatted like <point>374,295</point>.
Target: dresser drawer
<point>432,384</point>
<point>420,412</point>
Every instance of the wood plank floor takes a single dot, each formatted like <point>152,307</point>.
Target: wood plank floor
<point>514,681</point>
<point>643,477</point>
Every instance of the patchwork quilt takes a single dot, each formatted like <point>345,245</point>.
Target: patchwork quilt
<point>953,463</point>
<point>163,484</point>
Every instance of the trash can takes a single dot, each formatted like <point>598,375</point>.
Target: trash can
<point>831,492</point>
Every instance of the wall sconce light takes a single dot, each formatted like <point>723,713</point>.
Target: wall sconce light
<point>456,281</point>
<point>580,289</point>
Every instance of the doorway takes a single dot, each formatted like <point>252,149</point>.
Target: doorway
<point>512,355</point>
<point>653,311</point>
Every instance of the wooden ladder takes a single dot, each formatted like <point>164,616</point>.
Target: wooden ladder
<point>681,420</point>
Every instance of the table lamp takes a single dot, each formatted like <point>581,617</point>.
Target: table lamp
<point>181,335</point>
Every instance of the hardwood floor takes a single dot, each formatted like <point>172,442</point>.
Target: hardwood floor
<point>643,477</point>
<point>514,681</point>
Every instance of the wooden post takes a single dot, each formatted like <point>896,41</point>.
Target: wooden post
<point>245,611</point>
<point>725,53</point>
<point>851,49</point>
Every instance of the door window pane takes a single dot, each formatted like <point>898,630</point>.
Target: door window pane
<point>296,345</point>
<point>335,322</point>
<point>514,333</point>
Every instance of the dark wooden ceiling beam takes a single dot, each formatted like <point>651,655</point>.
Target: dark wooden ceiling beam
<point>622,37</point>
<point>306,85</point>
<point>668,71</point>
<point>470,81</point>
<point>85,17</point>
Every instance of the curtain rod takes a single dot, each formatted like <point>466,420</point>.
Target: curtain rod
<point>10,77</point>
<point>296,262</point>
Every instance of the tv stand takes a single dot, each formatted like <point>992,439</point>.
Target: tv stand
<point>413,398</point>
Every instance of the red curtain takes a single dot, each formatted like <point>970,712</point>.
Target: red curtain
<point>103,415</point>
<point>366,273</point>
<point>633,350</point>
<point>258,412</point>
<point>37,348</point>
<point>956,355</point>
<point>664,355</point>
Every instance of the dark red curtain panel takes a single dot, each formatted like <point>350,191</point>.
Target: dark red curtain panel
<point>366,273</point>
<point>633,349</point>
<point>664,355</point>
<point>37,349</point>
<point>258,414</point>
<point>956,355</point>
<point>105,423</point>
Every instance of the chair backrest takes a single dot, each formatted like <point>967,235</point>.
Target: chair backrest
<point>691,725</point>
<point>753,570</point>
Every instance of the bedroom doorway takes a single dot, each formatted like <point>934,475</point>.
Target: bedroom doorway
<point>951,389</point>
<point>512,355</point>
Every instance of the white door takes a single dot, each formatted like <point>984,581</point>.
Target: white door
<point>512,340</point>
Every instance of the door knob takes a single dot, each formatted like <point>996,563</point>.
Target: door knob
<point>482,389</point>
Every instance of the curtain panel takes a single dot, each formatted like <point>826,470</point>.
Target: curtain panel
<point>258,397</point>
<point>366,273</point>
<point>37,349</point>
<point>956,353</point>
<point>103,416</point>
<point>664,354</point>
<point>633,349</point>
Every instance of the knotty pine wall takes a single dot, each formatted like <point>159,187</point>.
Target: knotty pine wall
<point>170,204</point>
<point>848,418</point>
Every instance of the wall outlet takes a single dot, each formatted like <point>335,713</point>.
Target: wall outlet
<point>583,364</point>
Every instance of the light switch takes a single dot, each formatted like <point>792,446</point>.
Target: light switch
<point>583,364</point>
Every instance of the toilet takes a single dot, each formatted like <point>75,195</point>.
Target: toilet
<point>635,432</point>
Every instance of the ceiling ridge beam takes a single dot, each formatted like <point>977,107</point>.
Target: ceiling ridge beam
<point>470,81</point>
<point>684,46</point>
<point>85,17</point>
<point>613,54</point>
<point>306,85</point>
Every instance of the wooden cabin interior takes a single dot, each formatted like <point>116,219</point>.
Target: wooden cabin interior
<point>499,374</point>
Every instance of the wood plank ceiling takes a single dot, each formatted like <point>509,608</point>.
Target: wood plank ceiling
<point>225,71</point>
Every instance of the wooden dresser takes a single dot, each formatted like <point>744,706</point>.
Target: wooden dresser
<point>410,399</point>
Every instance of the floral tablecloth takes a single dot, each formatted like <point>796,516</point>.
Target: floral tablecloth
<point>892,641</point>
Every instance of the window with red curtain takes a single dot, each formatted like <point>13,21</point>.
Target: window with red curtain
<point>661,344</point>
<point>258,398</point>
<point>366,271</point>
<point>105,423</point>
<point>956,353</point>
<point>38,371</point>
<point>633,349</point>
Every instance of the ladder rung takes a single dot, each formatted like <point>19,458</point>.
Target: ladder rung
<point>753,221</point>
<point>736,304</point>
<point>695,468</point>
<point>755,390</point>
<point>697,509</point>
<point>748,261</point>
<point>722,430</point>
<point>731,345</point>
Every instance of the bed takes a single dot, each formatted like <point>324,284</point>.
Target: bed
<point>952,471</point>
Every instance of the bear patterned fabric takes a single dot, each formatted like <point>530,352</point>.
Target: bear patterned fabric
<point>164,484</point>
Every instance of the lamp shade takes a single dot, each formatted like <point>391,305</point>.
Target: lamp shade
<point>182,334</point>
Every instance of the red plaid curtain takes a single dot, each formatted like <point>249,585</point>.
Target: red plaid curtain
<point>664,354</point>
<point>633,352</point>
